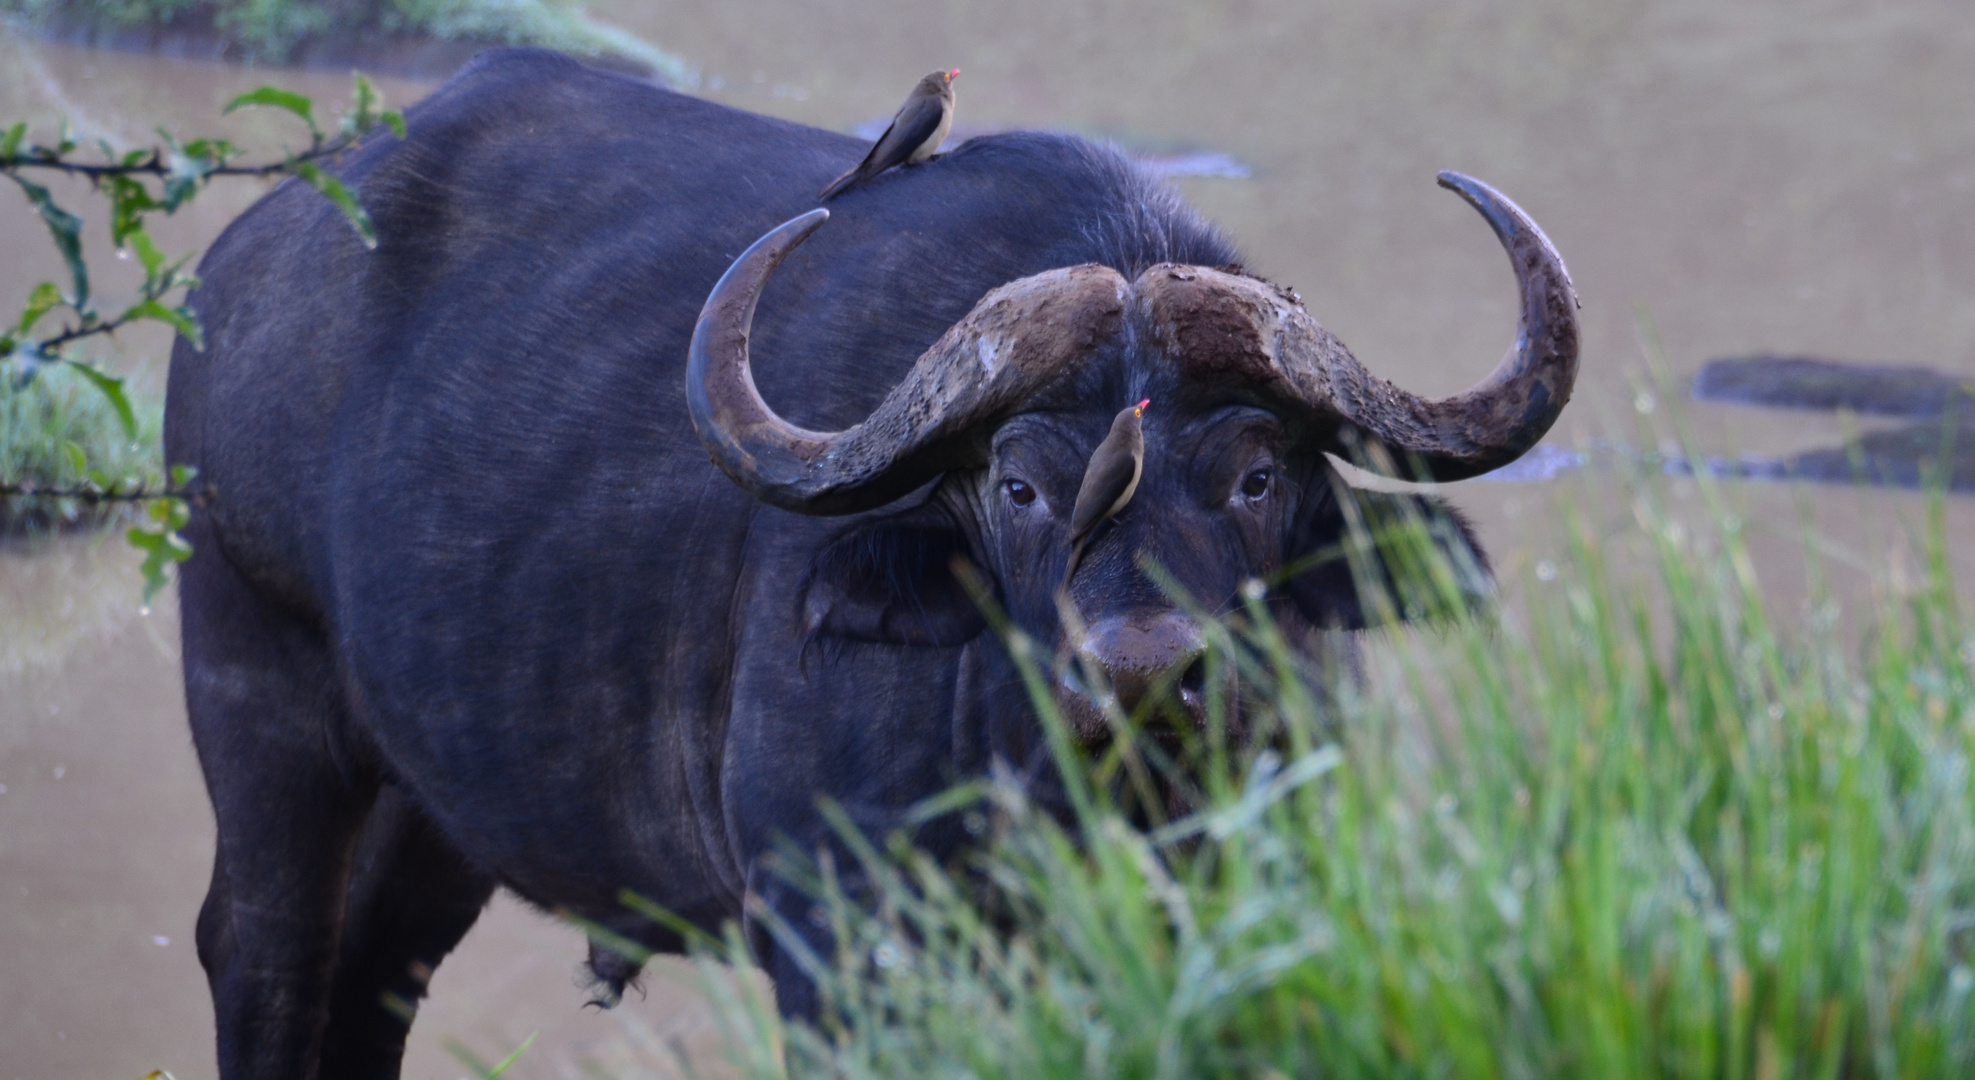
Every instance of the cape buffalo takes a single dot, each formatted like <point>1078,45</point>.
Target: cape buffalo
<point>471,606</point>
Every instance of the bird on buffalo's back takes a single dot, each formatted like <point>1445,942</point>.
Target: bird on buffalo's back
<point>1109,481</point>
<point>915,133</point>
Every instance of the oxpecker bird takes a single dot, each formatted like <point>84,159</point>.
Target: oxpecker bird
<point>914,135</point>
<point>1110,480</point>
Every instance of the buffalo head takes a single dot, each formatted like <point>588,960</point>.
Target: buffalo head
<point>1248,396</point>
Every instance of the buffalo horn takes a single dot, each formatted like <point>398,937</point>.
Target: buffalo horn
<point>1018,340</point>
<point>1498,419</point>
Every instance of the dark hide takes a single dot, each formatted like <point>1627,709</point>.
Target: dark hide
<point>891,581</point>
<point>473,607</point>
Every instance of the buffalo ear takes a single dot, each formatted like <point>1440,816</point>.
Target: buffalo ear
<point>1417,558</point>
<point>891,581</point>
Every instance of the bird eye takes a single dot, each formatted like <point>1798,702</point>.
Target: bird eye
<point>1020,493</point>
<point>1256,484</point>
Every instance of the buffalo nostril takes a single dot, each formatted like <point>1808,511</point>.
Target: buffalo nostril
<point>1146,654</point>
<point>1193,681</point>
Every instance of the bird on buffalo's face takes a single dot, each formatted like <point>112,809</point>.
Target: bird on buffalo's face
<point>914,135</point>
<point>1109,481</point>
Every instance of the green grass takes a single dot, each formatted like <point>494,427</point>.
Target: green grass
<point>270,30</point>
<point>553,24</point>
<point>1641,828</point>
<point>57,428</point>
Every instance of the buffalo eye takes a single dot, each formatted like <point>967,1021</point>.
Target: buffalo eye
<point>1020,493</point>
<point>1256,483</point>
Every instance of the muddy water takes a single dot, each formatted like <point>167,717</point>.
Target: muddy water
<point>1756,176</point>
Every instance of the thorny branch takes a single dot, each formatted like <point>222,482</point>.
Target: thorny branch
<point>201,495</point>
<point>43,157</point>
<point>157,179</point>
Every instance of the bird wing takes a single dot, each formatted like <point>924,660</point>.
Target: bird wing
<point>914,124</point>
<point>1102,487</point>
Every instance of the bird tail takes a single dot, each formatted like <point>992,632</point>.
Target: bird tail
<point>837,185</point>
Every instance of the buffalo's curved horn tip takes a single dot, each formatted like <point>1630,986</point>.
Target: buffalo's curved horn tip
<point>750,443</point>
<point>1498,419</point>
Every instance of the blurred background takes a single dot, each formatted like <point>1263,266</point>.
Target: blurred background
<point>1742,177</point>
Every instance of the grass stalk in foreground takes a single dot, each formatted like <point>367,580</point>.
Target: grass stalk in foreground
<point>1646,834</point>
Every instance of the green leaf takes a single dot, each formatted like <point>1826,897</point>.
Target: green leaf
<point>128,202</point>
<point>216,151</point>
<point>183,475</point>
<point>170,514</point>
<point>180,319</point>
<point>363,111</point>
<point>45,298</point>
<point>78,461</point>
<point>112,388</point>
<point>277,98</point>
<point>394,120</point>
<point>67,231</point>
<point>186,167</point>
<point>10,143</point>
<point>340,195</point>
<point>147,254</point>
<point>162,550</point>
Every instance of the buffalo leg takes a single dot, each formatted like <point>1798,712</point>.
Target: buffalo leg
<point>265,709</point>
<point>795,992</point>
<point>412,897</point>
<point>796,995</point>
